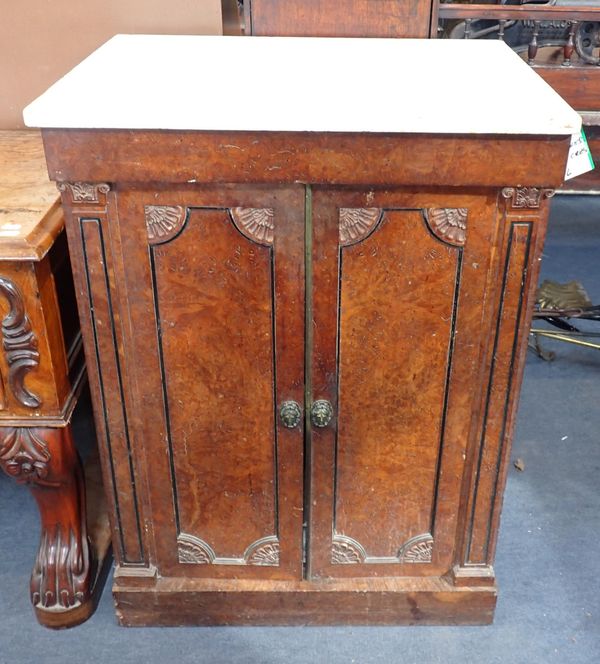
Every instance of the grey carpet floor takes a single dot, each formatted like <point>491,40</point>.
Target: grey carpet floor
<point>548,560</point>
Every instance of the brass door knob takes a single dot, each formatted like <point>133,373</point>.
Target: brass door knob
<point>290,414</point>
<point>321,413</point>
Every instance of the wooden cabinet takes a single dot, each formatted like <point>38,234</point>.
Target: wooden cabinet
<point>334,18</point>
<point>305,350</point>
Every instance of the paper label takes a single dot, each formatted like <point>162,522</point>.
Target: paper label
<point>579,160</point>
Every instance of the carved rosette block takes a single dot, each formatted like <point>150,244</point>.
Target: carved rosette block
<point>19,343</point>
<point>418,549</point>
<point>195,551</point>
<point>257,224</point>
<point>357,223</point>
<point>448,224</point>
<point>45,459</point>
<point>85,192</point>
<point>163,222</point>
<point>526,197</point>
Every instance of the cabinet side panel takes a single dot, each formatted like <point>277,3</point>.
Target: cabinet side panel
<point>523,241</point>
<point>92,267</point>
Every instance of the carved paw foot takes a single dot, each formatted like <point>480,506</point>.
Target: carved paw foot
<point>46,460</point>
<point>60,578</point>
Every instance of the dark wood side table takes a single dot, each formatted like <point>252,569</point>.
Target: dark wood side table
<point>305,323</point>
<point>42,370</point>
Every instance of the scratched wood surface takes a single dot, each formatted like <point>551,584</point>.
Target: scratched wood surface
<point>345,18</point>
<point>408,313</point>
<point>30,217</point>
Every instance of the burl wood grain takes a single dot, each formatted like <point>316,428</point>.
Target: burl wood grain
<point>397,291</point>
<point>206,306</point>
<point>214,302</point>
<point>278,158</point>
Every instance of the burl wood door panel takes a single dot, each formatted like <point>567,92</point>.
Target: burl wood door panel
<point>398,293</point>
<point>217,298</point>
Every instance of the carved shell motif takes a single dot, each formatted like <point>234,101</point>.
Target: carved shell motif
<point>357,223</point>
<point>417,550</point>
<point>346,551</point>
<point>448,224</point>
<point>257,224</point>
<point>163,221</point>
<point>265,556</point>
<point>193,550</point>
<point>263,553</point>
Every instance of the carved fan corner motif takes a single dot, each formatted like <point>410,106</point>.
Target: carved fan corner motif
<point>264,552</point>
<point>418,549</point>
<point>357,223</point>
<point>163,222</point>
<point>346,551</point>
<point>193,550</point>
<point>448,224</point>
<point>257,224</point>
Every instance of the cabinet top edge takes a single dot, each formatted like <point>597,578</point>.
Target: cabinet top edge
<point>304,84</point>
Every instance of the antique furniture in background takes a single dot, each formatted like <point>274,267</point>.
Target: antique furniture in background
<point>563,306</point>
<point>305,323</point>
<point>560,41</point>
<point>327,18</point>
<point>42,371</point>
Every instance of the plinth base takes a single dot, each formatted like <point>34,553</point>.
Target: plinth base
<point>406,601</point>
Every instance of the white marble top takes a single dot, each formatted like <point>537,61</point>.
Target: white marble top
<point>304,84</point>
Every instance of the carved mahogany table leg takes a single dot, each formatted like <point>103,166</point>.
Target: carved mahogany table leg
<point>45,459</point>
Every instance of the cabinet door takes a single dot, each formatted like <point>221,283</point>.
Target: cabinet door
<point>215,285</point>
<point>399,279</point>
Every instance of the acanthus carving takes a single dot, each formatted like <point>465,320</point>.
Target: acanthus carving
<point>448,224</point>
<point>19,343</point>
<point>163,222</point>
<point>348,551</point>
<point>60,577</point>
<point>84,192</point>
<point>25,456</point>
<point>357,223</point>
<point>418,549</point>
<point>526,197</point>
<point>257,224</point>
<point>193,550</point>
